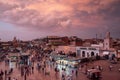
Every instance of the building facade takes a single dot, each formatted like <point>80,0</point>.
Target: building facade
<point>107,42</point>
<point>87,52</point>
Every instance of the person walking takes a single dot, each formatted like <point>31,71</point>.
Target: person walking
<point>5,74</point>
<point>1,73</point>
<point>32,69</point>
<point>9,78</point>
<point>76,73</point>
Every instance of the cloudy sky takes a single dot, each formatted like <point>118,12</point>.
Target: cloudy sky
<point>29,19</point>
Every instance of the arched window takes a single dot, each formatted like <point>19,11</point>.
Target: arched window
<point>83,53</point>
<point>92,53</point>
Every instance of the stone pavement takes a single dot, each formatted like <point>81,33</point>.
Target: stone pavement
<point>106,73</point>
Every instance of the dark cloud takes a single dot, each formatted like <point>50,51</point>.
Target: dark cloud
<point>76,17</point>
<point>5,7</point>
<point>110,11</point>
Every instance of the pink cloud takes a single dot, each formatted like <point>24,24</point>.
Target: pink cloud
<point>60,15</point>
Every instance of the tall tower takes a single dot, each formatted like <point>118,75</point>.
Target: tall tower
<point>108,35</point>
<point>107,41</point>
<point>15,42</point>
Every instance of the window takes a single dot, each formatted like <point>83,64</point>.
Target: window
<point>83,53</point>
<point>92,53</point>
<point>106,43</point>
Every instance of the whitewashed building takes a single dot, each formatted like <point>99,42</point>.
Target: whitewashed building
<point>87,52</point>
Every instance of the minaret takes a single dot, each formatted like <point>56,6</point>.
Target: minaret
<point>107,41</point>
<point>108,35</point>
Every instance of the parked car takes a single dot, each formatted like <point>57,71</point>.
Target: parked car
<point>94,74</point>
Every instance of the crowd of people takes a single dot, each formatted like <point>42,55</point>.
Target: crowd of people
<point>39,60</point>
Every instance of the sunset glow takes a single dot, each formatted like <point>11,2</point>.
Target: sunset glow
<point>39,18</point>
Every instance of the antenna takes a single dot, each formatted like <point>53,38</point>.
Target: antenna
<point>96,38</point>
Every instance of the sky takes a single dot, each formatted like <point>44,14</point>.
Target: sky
<point>29,19</point>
